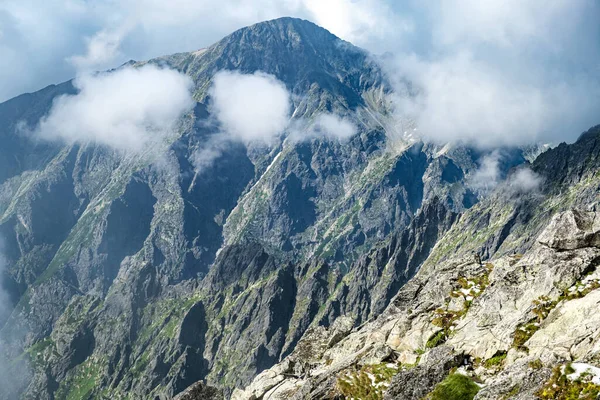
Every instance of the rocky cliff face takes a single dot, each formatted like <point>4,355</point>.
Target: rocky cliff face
<point>132,276</point>
<point>508,326</point>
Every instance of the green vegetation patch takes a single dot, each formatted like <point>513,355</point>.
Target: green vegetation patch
<point>496,361</point>
<point>39,351</point>
<point>536,364</point>
<point>513,392</point>
<point>367,383</point>
<point>470,289</point>
<point>523,333</point>
<point>455,387</point>
<point>437,339</point>
<point>81,383</point>
<point>544,305</point>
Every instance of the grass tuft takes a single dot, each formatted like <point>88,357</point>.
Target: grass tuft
<point>455,387</point>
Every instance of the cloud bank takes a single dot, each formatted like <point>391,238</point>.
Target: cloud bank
<point>485,72</point>
<point>334,127</point>
<point>323,126</point>
<point>523,181</point>
<point>124,110</point>
<point>488,175</point>
<point>499,72</point>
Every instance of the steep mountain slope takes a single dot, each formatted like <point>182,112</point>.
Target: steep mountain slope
<point>512,322</point>
<point>132,276</point>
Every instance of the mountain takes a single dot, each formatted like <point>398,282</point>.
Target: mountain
<point>132,276</point>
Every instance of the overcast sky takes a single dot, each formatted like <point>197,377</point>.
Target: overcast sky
<point>499,62</point>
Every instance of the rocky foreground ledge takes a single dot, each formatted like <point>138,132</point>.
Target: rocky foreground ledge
<point>516,327</point>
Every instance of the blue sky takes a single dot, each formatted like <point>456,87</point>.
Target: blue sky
<point>533,60</point>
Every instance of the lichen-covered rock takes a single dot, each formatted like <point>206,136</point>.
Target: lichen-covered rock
<point>518,381</point>
<point>572,230</point>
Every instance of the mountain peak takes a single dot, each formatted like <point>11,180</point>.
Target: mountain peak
<point>287,26</point>
<point>296,51</point>
<point>291,34</point>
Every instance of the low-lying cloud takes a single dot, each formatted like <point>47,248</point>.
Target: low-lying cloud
<point>125,109</point>
<point>492,175</point>
<point>466,100</point>
<point>256,109</point>
<point>252,107</point>
<point>323,126</point>
<point>524,180</point>
<point>488,175</point>
<point>333,127</point>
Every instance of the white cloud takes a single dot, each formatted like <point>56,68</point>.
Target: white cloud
<point>255,109</point>
<point>205,156</point>
<point>524,180</point>
<point>502,72</point>
<point>488,175</point>
<point>125,109</point>
<point>504,22</point>
<point>328,126</point>
<point>533,63</point>
<point>463,99</point>
<point>250,107</point>
<point>333,126</point>
<point>363,22</point>
<point>103,49</point>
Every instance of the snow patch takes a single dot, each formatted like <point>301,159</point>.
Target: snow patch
<point>584,369</point>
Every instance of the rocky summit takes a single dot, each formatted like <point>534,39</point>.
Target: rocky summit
<point>312,268</point>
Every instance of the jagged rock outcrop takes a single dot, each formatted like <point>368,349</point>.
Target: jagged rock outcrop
<point>199,391</point>
<point>507,323</point>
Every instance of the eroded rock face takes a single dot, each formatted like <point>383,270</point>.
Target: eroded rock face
<point>507,322</point>
<point>416,383</point>
<point>199,391</point>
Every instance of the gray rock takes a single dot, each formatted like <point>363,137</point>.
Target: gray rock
<point>572,230</point>
<point>417,382</point>
<point>199,391</point>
